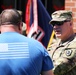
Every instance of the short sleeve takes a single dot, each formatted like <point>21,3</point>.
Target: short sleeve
<point>47,62</point>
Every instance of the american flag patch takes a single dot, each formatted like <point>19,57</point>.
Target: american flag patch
<point>14,50</point>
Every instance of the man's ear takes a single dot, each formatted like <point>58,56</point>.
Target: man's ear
<point>20,25</point>
<point>71,23</point>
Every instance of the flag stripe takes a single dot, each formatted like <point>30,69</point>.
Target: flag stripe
<point>35,15</point>
<point>28,7</point>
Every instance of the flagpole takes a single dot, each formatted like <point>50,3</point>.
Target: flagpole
<point>51,39</point>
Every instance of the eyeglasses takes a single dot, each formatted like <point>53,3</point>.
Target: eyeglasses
<point>59,23</point>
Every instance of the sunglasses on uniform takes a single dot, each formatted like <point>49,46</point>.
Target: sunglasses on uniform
<point>59,23</point>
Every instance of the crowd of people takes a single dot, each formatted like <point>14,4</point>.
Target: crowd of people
<point>20,55</point>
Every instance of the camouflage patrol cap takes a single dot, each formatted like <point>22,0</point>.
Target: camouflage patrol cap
<point>61,15</point>
<point>20,12</point>
<point>24,25</point>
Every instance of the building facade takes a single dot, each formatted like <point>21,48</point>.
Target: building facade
<point>50,5</point>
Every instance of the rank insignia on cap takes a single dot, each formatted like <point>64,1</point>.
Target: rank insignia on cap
<point>68,52</point>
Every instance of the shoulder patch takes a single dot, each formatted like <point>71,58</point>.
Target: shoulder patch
<point>68,52</point>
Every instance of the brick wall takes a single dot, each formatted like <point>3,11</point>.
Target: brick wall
<point>71,5</point>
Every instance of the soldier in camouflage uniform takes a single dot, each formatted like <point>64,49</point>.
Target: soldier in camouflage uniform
<point>63,50</point>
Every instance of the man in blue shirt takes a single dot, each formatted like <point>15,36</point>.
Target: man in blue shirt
<point>20,55</point>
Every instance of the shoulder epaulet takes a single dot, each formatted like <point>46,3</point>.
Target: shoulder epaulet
<point>73,43</point>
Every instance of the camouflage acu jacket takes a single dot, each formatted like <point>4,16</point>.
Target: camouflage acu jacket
<point>64,56</point>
